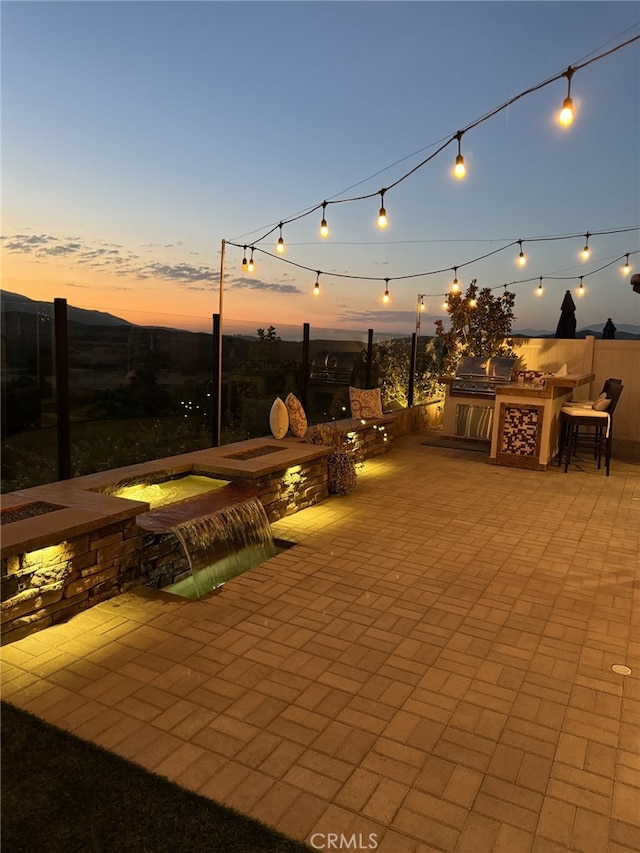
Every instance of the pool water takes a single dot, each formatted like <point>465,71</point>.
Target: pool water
<point>170,491</point>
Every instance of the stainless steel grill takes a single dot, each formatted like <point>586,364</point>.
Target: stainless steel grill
<point>481,376</point>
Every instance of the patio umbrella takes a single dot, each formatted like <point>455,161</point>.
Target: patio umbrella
<point>567,322</point>
<point>609,331</point>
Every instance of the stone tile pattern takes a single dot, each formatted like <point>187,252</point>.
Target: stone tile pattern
<point>431,664</point>
<point>520,432</point>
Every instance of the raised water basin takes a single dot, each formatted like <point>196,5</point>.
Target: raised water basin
<point>169,491</point>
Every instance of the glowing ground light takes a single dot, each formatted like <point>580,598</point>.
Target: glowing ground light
<point>621,669</point>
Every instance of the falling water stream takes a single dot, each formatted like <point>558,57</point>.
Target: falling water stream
<point>223,545</point>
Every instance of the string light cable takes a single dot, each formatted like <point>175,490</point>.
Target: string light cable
<point>456,137</point>
<point>538,239</point>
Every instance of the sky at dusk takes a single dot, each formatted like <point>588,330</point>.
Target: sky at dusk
<point>136,136</point>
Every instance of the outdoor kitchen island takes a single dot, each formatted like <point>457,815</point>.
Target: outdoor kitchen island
<point>526,420</point>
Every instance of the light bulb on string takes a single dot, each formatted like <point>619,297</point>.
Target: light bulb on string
<point>422,306</point>
<point>586,251</point>
<point>245,265</point>
<point>251,266</point>
<point>626,269</point>
<point>280,243</point>
<point>459,169</point>
<point>386,298</point>
<point>316,286</point>
<point>539,288</point>
<point>382,215</point>
<point>473,303</point>
<point>455,284</point>
<point>445,304</point>
<point>565,117</point>
<point>324,229</point>
<point>505,295</point>
<point>580,290</point>
<point>521,257</point>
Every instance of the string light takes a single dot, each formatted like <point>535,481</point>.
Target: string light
<point>422,306</point>
<point>280,243</point>
<point>473,303</point>
<point>324,229</point>
<point>382,215</point>
<point>386,298</point>
<point>565,117</point>
<point>316,286</point>
<point>251,266</point>
<point>586,251</point>
<point>245,266</point>
<point>626,269</point>
<point>539,290</point>
<point>455,285</point>
<point>445,304</point>
<point>459,169</point>
<point>581,287</point>
<point>521,257</point>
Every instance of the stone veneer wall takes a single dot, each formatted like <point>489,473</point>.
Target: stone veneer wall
<point>51,584</point>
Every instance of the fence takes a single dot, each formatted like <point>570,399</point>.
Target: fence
<point>80,397</point>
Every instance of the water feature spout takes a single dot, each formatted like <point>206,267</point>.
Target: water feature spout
<point>225,543</point>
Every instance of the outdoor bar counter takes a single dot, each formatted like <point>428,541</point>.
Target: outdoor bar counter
<point>526,420</point>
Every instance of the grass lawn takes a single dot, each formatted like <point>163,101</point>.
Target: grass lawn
<point>61,794</point>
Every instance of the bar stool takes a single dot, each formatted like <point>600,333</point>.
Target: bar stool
<point>580,426</point>
<point>588,404</point>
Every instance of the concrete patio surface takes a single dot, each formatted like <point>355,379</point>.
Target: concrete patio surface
<point>430,669</point>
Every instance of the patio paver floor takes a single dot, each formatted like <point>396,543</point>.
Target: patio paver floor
<point>431,664</point>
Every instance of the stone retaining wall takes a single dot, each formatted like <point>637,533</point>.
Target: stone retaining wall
<point>49,585</point>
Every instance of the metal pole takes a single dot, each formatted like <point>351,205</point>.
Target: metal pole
<point>412,369</point>
<point>305,364</point>
<point>63,420</point>
<point>215,396</point>
<point>218,388</point>
<point>369,357</point>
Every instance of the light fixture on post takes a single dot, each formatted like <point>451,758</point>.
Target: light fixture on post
<point>324,228</point>
<point>459,169</point>
<point>386,298</point>
<point>586,251</point>
<point>626,269</point>
<point>280,243</point>
<point>245,265</point>
<point>382,215</point>
<point>565,116</point>
<point>455,284</point>
<point>316,286</point>
<point>581,287</point>
<point>251,266</point>
<point>521,257</point>
<point>539,288</point>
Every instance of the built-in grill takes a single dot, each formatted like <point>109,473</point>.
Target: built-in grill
<point>481,376</point>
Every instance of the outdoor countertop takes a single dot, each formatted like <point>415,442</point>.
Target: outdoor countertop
<point>553,387</point>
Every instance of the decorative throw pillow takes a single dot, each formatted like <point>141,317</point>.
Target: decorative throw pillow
<point>279,419</point>
<point>365,404</point>
<point>601,404</point>
<point>297,417</point>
